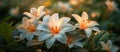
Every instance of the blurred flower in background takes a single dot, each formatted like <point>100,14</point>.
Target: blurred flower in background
<point>111,5</point>
<point>94,14</point>
<point>64,6</point>
<point>36,13</point>
<point>77,2</point>
<point>14,11</point>
<point>109,46</point>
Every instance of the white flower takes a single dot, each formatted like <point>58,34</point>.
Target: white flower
<point>36,13</point>
<point>72,41</point>
<point>28,28</point>
<point>109,47</point>
<point>85,24</point>
<point>54,29</point>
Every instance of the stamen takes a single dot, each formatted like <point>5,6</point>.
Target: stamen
<point>69,40</point>
<point>83,24</point>
<point>31,28</point>
<point>54,29</point>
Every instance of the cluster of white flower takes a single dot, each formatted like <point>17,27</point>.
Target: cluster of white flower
<point>53,28</point>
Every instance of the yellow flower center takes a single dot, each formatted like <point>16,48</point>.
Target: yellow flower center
<point>69,40</point>
<point>54,29</point>
<point>83,24</point>
<point>31,28</point>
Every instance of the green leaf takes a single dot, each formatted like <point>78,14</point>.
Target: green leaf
<point>2,50</point>
<point>90,43</point>
<point>6,31</point>
<point>5,19</point>
<point>102,36</point>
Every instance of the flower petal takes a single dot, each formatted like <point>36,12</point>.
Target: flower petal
<point>109,42</point>
<point>63,21</point>
<point>104,46</point>
<point>88,32</point>
<point>61,37</point>
<point>42,27</point>
<point>24,20</point>
<point>29,36</point>
<point>67,27</point>
<point>80,44</point>
<point>54,19</point>
<point>70,45</point>
<point>40,11</point>
<point>34,21</point>
<point>50,42</point>
<point>22,36</point>
<point>95,29</point>
<point>41,8</point>
<point>29,14</point>
<point>46,18</point>
<point>33,11</point>
<point>84,15</point>
<point>77,17</point>
<point>37,32</point>
<point>114,49</point>
<point>21,28</point>
<point>44,36</point>
<point>41,14</point>
<point>77,25</point>
<point>92,23</point>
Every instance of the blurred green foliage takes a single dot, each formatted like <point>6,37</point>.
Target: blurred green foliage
<point>6,31</point>
<point>93,43</point>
